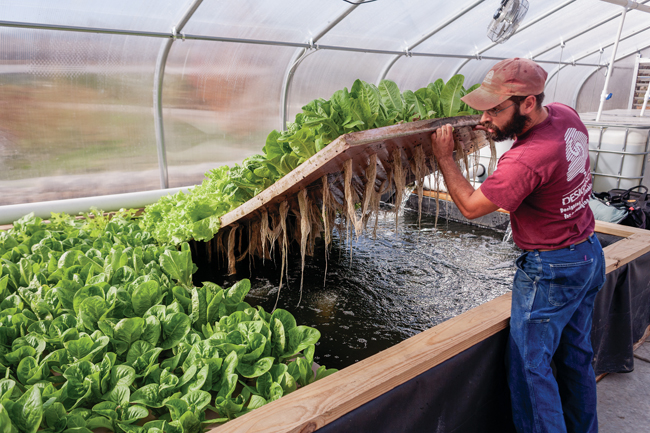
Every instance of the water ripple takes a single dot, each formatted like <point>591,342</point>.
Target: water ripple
<point>393,287</point>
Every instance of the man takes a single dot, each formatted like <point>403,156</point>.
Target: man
<point>544,182</point>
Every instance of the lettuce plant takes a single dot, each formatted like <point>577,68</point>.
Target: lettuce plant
<point>102,327</point>
<point>181,217</point>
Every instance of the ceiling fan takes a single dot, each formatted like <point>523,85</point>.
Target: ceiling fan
<point>506,20</point>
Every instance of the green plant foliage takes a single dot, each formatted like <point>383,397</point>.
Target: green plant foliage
<point>181,217</point>
<point>102,327</point>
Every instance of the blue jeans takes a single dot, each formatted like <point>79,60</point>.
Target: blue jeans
<point>552,306</point>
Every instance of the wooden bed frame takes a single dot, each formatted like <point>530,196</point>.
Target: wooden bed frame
<point>322,402</point>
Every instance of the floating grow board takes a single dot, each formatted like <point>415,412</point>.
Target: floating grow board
<point>359,146</point>
<point>356,168</point>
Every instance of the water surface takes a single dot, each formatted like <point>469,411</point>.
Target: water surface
<point>388,289</point>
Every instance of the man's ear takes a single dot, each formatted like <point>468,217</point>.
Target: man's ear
<point>529,104</point>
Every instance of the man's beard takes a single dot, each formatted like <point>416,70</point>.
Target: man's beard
<point>511,130</point>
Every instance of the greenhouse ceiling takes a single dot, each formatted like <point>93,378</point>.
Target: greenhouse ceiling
<point>152,94</point>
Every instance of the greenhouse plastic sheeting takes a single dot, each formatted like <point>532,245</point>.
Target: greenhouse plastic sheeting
<point>395,25</point>
<point>219,112</point>
<point>78,109</point>
<point>316,72</point>
<point>152,15</point>
<point>76,115</point>
<point>590,90</point>
<point>270,20</point>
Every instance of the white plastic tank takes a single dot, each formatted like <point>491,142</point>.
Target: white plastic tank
<point>614,139</point>
<point>501,147</point>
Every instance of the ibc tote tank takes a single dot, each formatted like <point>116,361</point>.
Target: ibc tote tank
<point>617,151</point>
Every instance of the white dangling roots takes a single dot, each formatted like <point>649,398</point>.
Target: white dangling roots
<point>420,172</point>
<point>369,193</point>
<point>250,245</point>
<point>255,248</point>
<point>326,210</point>
<point>284,211</point>
<point>221,250</point>
<point>316,228</point>
<point>493,158</point>
<point>374,205</point>
<point>305,229</point>
<point>436,188</point>
<point>231,250</point>
<point>264,232</point>
<point>328,215</point>
<point>350,199</point>
<point>461,159</point>
<point>383,188</point>
<point>274,234</point>
<point>399,177</point>
<point>348,202</point>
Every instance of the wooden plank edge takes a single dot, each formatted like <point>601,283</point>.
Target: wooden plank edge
<point>617,229</point>
<point>624,251</point>
<point>401,130</point>
<point>322,402</point>
<point>283,185</point>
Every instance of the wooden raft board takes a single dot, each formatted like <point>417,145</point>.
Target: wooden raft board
<point>359,146</point>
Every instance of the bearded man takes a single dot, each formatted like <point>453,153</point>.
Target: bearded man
<point>544,181</point>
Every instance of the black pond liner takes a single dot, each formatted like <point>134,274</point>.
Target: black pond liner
<point>466,393</point>
<point>469,393</point>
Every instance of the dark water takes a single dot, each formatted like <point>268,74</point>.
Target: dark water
<point>391,288</point>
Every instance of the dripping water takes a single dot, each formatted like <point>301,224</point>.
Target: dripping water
<point>508,235</point>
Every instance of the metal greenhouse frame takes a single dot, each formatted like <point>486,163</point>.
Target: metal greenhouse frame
<point>466,12</point>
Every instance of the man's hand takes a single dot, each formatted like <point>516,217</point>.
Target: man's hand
<point>442,141</point>
<point>471,203</point>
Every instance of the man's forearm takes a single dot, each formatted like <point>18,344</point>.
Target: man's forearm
<point>472,203</point>
<point>457,185</point>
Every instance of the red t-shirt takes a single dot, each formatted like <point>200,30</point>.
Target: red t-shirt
<point>544,181</point>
